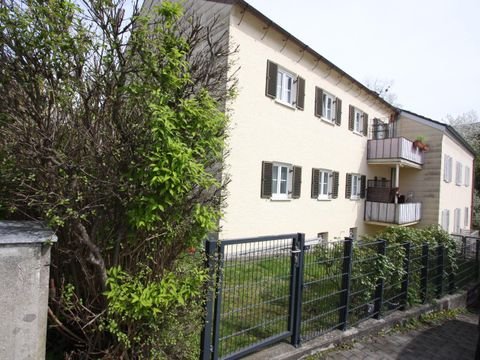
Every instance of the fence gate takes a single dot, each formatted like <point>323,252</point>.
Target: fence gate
<point>255,295</point>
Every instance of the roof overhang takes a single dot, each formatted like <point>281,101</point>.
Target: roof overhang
<point>445,128</point>
<point>247,7</point>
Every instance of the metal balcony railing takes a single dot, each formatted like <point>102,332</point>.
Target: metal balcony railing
<point>394,150</point>
<point>391,213</point>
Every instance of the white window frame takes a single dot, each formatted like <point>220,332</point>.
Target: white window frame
<point>277,193</point>
<point>445,221</point>
<point>358,121</point>
<point>465,218</point>
<point>458,173</point>
<point>328,112</point>
<point>467,176</point>
<point>456,220</point>
<point>353,233</point>
<point>325,188</point>
<point>447,168</point>
<point>286,94</point>
<point>356,188</point>
<point>322,237</point>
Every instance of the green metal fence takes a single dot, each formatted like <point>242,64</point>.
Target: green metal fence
<point>268,289</point>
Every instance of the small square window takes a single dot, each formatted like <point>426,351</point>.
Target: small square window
<point>353,233</point>
<point>322,237</point>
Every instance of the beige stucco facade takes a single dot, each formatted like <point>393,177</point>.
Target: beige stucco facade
<point>430,186</point>
<point>264,129</point>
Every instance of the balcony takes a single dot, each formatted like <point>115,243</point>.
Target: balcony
<point>394,151</point>
<point>392,214</point>
<point>385,206</point>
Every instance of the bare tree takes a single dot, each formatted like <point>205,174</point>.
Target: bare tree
<point>384,89</point>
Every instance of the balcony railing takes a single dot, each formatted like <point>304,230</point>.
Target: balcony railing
<point>390,213</point>
<point>394,150</point>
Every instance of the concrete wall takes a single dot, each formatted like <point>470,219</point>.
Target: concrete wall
<point>262,129</point>
<point>24,270</point>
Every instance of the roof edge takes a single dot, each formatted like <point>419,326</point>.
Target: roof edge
<point>446,128</point>
<point>263,17</point>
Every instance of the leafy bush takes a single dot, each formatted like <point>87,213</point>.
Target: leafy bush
<point>111,131</point>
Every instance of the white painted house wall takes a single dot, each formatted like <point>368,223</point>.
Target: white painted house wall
<point>264,130</point>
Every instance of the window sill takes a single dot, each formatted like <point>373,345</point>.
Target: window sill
<point>330,122</point>
<point>274,198</point>
<point>286,104</point>
<point>324,199</point>
<point>358,133</point>
<point>355,198</point>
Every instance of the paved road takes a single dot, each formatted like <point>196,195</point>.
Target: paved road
<point>451,340</point>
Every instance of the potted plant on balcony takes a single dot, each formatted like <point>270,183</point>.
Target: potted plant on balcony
<point>419,143</point>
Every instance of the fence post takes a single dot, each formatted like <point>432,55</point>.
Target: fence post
<point>218,302</point>
<point>299,245</point>
<point>346,275</point>
<point>406,277</point>
<point>377,306</point>
<point>440,266</point>
<point>424,273</point>
<point>206,336</point>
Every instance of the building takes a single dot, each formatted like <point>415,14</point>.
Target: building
<point>313,150</point>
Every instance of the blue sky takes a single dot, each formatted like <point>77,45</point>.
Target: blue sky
<point>430,49</point>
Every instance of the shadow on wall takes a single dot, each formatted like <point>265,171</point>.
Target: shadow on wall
<point>438,342</point>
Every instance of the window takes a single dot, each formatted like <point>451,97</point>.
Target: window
<point>280,174</point>
<point>328,107</point>
<point>284,86</point>
<point>352,233</point>
<point>280,181</point>
<point>445,222</point>
<point>355,186</point>
<point>380,130</point>
<point>447,168</point>
<point>465,219</point>
<point>467,176</point>
<point>322,237</point>
<point>358,121</point>
<point>458,173</point>
<point>324,184</point>
<point>456,221</point>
